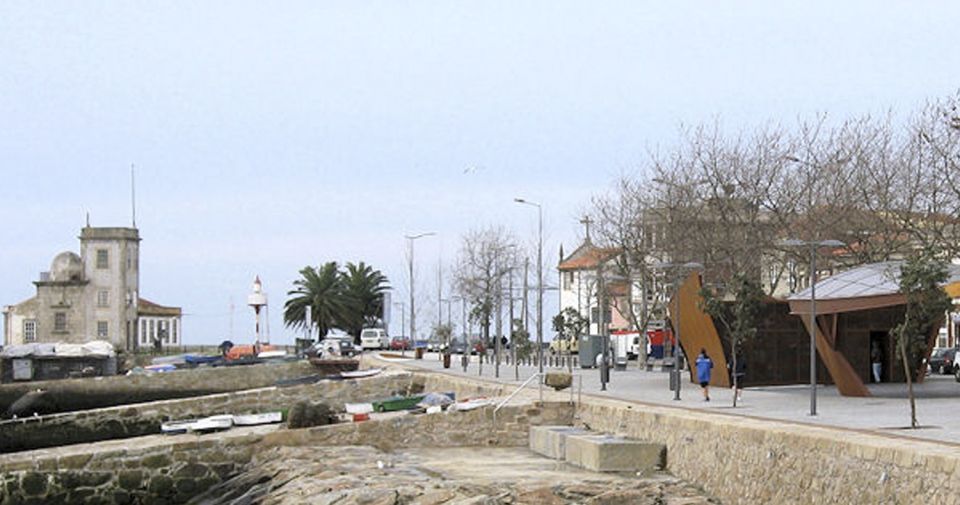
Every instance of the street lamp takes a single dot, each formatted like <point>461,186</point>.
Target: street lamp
<point>539,279</point>
<point>814,245</point>
<point>413,314</point>
<point>678,357</point>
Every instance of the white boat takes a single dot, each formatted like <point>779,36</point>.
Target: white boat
<point>255,419</point>
<point>212,423</point>
<point>177,427</point>
<point>358,408</point>
<point>358,374</point>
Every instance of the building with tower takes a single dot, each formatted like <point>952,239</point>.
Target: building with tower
<point>94,296</point>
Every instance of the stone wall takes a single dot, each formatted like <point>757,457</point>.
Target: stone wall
<point>160,469</point>
<point>145,418</point>
<point>81,394</point>
<point>743,460</point>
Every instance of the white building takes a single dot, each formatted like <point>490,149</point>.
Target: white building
<point>93,296</point>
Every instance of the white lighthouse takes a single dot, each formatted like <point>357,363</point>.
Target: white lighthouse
<point>257,300</point>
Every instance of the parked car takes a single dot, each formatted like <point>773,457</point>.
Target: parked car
<point>563,345</point>
<point>942,360</point>
<point>374,338</point>
<point>399,344</point>
<point>458,347</point>
<point>344,346</point>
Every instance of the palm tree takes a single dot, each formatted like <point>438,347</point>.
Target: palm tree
<point>363,289</point>
<point>320,289</point>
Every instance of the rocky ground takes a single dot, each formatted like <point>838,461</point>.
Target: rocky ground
<point>356,475</point>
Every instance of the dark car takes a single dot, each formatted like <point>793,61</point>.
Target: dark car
<point>458,347</point>
<point>399,344</point>
<point>942,359</point>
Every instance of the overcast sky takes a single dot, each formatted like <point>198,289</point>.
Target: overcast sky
<point>272,135</point>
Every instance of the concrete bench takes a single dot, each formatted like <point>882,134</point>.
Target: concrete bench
<point>599,453</point>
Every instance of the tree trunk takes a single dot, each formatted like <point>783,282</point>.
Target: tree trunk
<point>907,373</point>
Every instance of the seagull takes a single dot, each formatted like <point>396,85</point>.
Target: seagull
<point>473,168</point>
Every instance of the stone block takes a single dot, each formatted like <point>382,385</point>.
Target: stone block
<point>606,453</point>
<point>550,441</point>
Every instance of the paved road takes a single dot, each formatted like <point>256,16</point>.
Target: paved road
<point>887,412</point>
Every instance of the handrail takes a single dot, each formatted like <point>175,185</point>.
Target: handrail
<point>516,391</point>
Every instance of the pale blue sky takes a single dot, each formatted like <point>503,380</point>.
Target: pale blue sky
<point>271,135</point>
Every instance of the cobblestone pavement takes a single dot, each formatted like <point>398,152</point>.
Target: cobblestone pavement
<point>887,412</point>
<point>363,475</point>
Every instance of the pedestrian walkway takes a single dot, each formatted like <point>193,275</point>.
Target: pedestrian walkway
<point>886,413</point>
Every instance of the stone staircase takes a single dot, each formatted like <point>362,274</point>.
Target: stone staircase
<point>596,452</point>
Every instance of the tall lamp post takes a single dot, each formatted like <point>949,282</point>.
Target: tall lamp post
<point>539,279</point>
<point>813,245</point>
<point>413,313</point>
<point>678,358</point>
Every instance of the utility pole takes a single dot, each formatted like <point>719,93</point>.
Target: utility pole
<point>513,339</point>
<point>499,322</point>
<point>413,312</point>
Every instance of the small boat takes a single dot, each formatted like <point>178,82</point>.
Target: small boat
<point>194,359</point>
<point>299,381</point>
<point>256,419</point>
<point>359,374</point>
<point>358,408</point>
<point>212,423</point>
<point>160,368</point>
<point>176,427</point>
<point>330,366</point>
<point>397,403</point>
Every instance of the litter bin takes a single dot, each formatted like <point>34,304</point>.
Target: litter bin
<point>446,360</point>
<point>590,347</point>
<point>418,353</point>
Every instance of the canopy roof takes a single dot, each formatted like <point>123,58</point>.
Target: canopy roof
<point>868,286</point>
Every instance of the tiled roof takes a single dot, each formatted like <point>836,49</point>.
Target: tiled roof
<point>587,256</point>
<point>147,308</point>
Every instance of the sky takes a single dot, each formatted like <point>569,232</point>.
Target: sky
<point>267,136</point>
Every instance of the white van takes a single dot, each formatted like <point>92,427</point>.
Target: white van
<point>374,338</point>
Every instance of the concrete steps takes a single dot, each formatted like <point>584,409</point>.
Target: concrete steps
<point>596,452</point>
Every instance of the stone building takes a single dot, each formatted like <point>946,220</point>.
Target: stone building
<point>93,296</point>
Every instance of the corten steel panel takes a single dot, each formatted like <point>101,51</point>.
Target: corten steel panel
<point>697,331</point>
<point>846,379</point>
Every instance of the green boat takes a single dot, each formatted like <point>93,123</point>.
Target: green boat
<point>397,403</point>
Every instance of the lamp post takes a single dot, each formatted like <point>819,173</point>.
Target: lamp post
<point>539,279</point>
<point>413,314</point>
<point>678,357</point>
<point>814,245</point>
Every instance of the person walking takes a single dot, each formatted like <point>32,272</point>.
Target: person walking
<point>704,368</point>
<point>739,375</point>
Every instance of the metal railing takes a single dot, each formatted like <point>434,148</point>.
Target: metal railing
<point>541,376</point>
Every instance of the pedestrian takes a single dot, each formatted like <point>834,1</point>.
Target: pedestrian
<point>704,367</point>
<point>739,375</point>
<point>876,361</point>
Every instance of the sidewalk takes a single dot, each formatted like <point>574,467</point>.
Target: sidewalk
<point>886,413</point>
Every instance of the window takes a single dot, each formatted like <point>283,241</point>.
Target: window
<point>30,330</point>
<point>567,280</point>
<point>60,321</point>
<point>103,298</point>
<point>176,330</point>
<point>102,327</point>
<point>103,258</point>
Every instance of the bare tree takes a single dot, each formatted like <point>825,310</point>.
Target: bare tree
<point>486,256</point>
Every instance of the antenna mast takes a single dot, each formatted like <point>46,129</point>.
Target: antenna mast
<point>133,195</point>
